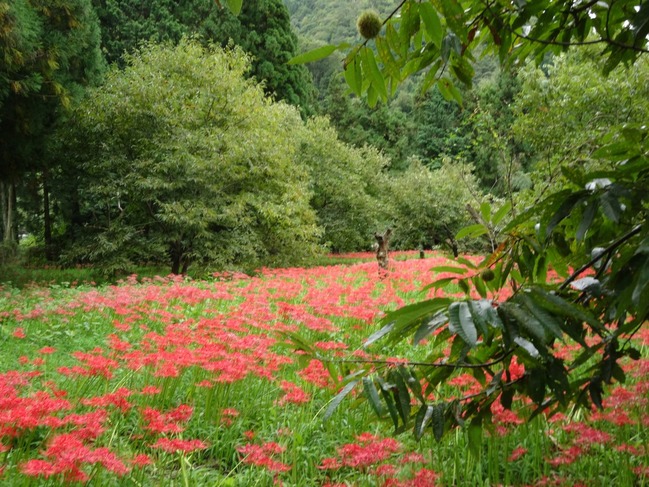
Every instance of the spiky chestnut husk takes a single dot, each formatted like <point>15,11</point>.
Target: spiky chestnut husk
<point>369,24</point>
<point>487,275</point>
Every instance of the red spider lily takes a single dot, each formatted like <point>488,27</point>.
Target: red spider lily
<point>178,445</point>
<point>566,457</point>
<point>67,455</point>
<point>159,422</point>
<point>369,450</point>
<point>587,435</point>
<point>19,333</point>
<point>518,452</point>
<point>117,399</point>
<point>292,394</point>
<point>140,460</point>
<point>261,456</point>
<point>316,374</point>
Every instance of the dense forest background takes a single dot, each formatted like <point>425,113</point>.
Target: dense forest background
<point>175,132</point>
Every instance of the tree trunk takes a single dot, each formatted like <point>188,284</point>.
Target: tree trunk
<point>8,207</point>
<point>382,242</point>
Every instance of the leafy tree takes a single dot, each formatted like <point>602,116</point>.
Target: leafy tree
<point>50,52</point>
<point>385,127</point>
<point>596,222</point>
<point>262,29</point>
<point>428,206</point>
<point>350,192</point>
<point>565,108</point>
<point>182,160</point>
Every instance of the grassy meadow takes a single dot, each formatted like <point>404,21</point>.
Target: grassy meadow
<point>167,381</point>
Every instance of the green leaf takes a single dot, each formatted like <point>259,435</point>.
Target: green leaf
<point>454,16</point>
<point>234,6</point>
<point>484,315</point>
<point>560,306</point>
<point>353,74</point>
<point>586,220</point>
<point>547,321</point>
<point>449,268</point>
<point>439,283</point>
<point>389,402</point>
<point>432,23</point>
<point>449,91</point>
<point>439,411</point>
<point>377,335</point>
<point>480,286</point>
<point>485,211</point>
<point>335,402</point>
<point>409,23</point>
<point>466,262</point>
<point>410,317</point>
<point>314,55</point>
<point>501,213</point>
<point>472,231</point>
<point>373,72</point>
<point>424,416</point>
<point>525,320</point>
<point>373,396</point>
<point>474,436</point>
<point>461,322</point>
<point>402,396</point>
<point>430,77</point>
<point>528,347</point>
<point>426,328</point>
<point>563,211</point>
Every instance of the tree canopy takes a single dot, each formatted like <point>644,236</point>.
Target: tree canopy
<point>50,53</point>
<point>181,159</point>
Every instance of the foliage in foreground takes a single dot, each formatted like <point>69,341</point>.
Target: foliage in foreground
<point>592,230</point>
<point>176,381</point>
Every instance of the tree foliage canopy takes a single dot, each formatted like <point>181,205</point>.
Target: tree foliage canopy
<point>183,160</point>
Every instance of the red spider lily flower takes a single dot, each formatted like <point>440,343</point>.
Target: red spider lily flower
<point>19,333</point>
<point>587,435</point>
<point>330,463</point>
<point>413,457</point>
<point>117,399</point>
<point>625,447</point>
<point>159,422</point>
<point>36,468</point>
<point>176,445</point>
<point>292,394</point>
<point>140,460</point>
<point>150,390</point>
<point>369,451</point>
<point>566,457</point>
<point>385,470</point>
<point>517,453</point>
<point>641,471</point>
<point>316,374</point>
<point>47,350</point>
<point>261,456</point>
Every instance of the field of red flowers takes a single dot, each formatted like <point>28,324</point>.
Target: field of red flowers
<point>170,381</point>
